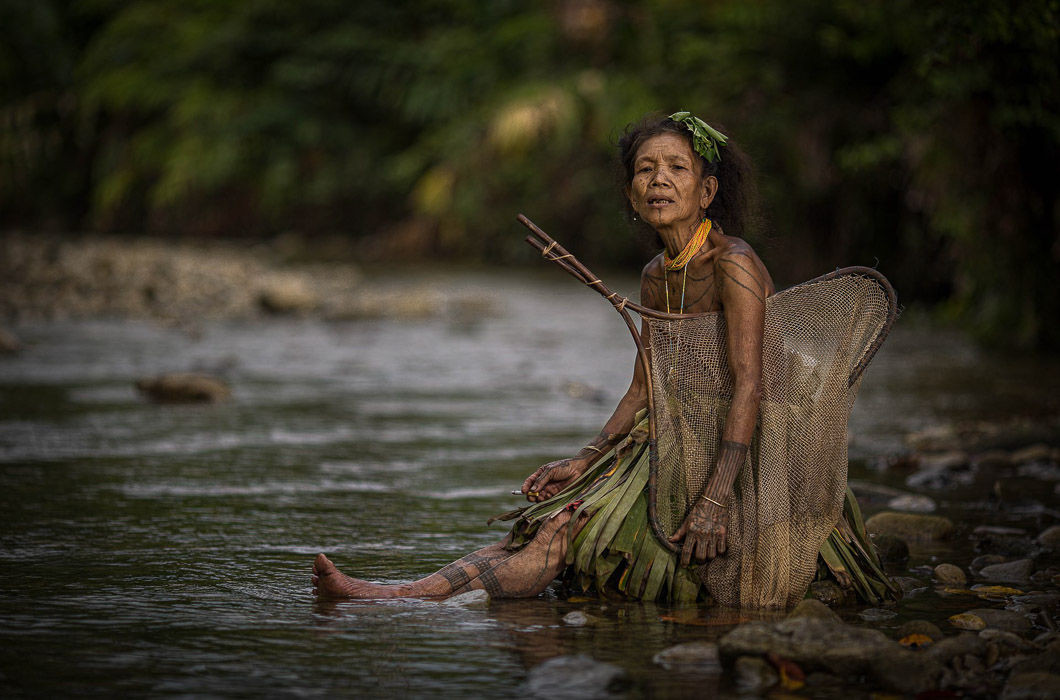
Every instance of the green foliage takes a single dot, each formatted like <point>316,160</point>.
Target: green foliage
<point>923,137</point>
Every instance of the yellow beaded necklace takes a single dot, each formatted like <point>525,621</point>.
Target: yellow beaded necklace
<point>682,260</point>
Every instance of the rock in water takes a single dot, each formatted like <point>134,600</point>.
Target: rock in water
<point>891,549</point>
<point>810,607</point>
<point>911,527</point>
<point>470,600</point>
<point>753,674</point>
<point>950,574</point>
<point>575,677</point>
<point>1018,570</point>
<point>576,619</point>
<point>184,387</point>
<point>698,657</point>
<point>1006,620</point>
<point>912,503</point>
<point>1037,685</point>
<point>1050,537</point>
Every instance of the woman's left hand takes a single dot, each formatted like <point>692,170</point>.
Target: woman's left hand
<point>704,532</point>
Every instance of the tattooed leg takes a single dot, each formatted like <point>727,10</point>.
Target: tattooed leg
<point>527,572</point>
<point>329,582</point>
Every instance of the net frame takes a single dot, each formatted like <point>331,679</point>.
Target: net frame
<point>552,251</point>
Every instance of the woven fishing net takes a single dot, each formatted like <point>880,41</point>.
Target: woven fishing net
<point>789,494</point>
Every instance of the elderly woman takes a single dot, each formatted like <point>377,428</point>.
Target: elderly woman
<point>588,518</point>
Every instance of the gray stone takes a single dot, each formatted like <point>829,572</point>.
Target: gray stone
<point>929,629</point>
<point>1050,537</point>
<point>1048,661</point>
<point>909,585</point>
<point>695,657</point>
<point>476,599</point>
<point>959,645</point>
<point>184,387</point>
<point>813,643</point>
<point>1003,619</point>
<point>810,607</point>
<point>827,593</point>
<point>912,503</point>
<point>1018,570</point>
<point>1007,642</point>
<point>575,676</point>
<point>950,575</point>
<point>904,671</point>
<point>876,614</point>
<point>890,549</point>
<point>1036,685</point>
<point>576,619</point>
<point>752,674</point>
<point>911,527</point>
<point>985,560</point>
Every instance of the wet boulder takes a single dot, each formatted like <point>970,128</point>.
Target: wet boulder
<point>950,575</point>
<point>811,607</point>
<point>472,600</point>
<point>1005,620</point>
<point>813,643</point>
<point>1050,537</point>
<point>576,619</point>
<point>1035,685</point>
<point>575,676</point>
<point>692,657</point>
<point>184,387</point>
<point>1019,570</point>
<point>754,675</point>
<point>911,527</point>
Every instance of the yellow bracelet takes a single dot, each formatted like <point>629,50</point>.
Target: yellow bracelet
<point>720,505</point>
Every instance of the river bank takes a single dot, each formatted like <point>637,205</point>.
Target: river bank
<point>47,277</point>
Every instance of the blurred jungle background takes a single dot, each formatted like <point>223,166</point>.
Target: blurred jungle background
<point>922,138</point>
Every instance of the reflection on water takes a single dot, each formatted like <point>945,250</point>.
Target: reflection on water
<point>166,549</point>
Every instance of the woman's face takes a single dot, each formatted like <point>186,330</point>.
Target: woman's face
<point>668,190</point>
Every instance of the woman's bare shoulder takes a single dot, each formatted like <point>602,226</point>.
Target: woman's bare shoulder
<point>739,262</point>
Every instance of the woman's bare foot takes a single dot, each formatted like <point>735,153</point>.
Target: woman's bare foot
<point>329,582</point>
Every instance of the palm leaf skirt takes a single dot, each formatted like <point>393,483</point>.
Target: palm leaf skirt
<point>615,550</point>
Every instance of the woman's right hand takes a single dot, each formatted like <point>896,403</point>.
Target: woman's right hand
<point>551,478</point>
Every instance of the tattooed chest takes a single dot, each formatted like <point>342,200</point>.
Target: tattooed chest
<point>695,294</point>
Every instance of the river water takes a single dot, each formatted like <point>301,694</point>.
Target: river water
<point>157,549</point>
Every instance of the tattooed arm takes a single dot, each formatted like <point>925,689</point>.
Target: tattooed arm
<point>553,477</point>
<point>743,285</point>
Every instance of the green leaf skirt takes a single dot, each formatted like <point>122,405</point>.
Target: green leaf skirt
<point>613,550</point>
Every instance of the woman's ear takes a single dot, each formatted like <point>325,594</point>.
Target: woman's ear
<point>710,189</point>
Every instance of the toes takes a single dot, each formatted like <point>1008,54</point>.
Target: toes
<point>322,565</point>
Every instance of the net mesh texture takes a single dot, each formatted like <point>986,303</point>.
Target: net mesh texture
<point>789,494</point>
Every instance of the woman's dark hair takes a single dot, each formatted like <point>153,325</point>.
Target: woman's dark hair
<point>733,205</point>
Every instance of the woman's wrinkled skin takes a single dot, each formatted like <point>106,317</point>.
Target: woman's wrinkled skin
<point>670,191</point>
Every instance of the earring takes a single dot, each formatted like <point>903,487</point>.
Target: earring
<point>634,217</point>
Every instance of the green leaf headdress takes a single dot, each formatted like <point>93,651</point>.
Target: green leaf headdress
<point>706,140</point>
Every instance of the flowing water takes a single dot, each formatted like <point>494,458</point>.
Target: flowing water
<point>161,549</point>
